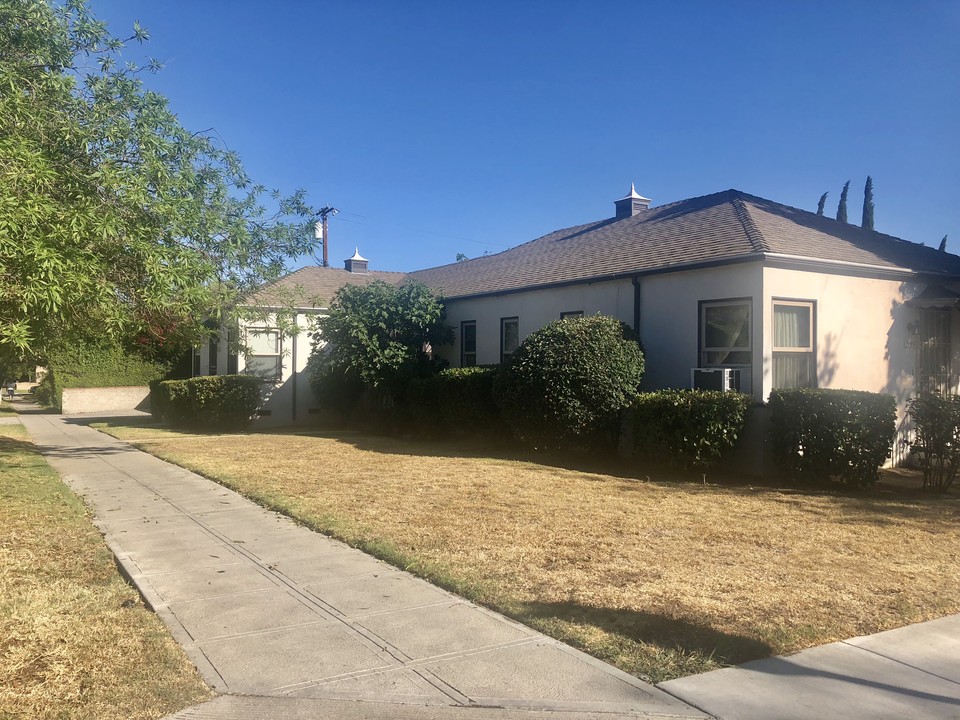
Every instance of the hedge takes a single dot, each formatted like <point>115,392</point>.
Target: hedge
<point>687,428</point>
<point>819,436</point>
<point>87,366</point>
<point>569,381</point>
<point>457,401</point>
<point>217,402</point>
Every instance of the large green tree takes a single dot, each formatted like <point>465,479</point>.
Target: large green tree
<point>115,219</point>
<point>379,334</point>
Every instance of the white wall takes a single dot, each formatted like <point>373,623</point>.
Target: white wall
<point>289,400</point>
<point>534,309</point>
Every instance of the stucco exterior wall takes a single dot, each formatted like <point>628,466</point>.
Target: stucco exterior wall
<point>289,400</point>
<point>862,336</point>
<point>670,320</point>
<point>78,401</point>
<point>534,308</point>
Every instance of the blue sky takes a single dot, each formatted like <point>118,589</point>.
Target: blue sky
<point>445,127</point>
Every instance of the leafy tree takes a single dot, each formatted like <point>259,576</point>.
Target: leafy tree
<point>461,257</point>
<point>114,219</point>
<point>823,201</point>
<point>842,206</point>
<point>867,222</point>
<point>378,335</point>
<point>570,379</point>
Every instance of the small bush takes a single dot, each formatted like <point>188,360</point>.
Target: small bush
<point>823,435</point>
<point>687,428</point>
<point>938,438</point>
<point>218,402</point>
<point>339,393</point>
<point>570,380</point>
<point>458,401</point>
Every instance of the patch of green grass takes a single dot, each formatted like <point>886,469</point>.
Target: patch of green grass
<point>75,640</point>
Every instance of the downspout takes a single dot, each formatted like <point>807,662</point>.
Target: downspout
<point>293,360</point>
<point>636,305</point>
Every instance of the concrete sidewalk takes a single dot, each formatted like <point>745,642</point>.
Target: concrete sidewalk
<point>288,623</point>
<point>300,625</point>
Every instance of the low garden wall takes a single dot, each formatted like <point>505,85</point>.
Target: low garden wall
<point>77,401</point>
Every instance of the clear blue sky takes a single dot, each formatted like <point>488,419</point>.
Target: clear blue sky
<point>452,126</point>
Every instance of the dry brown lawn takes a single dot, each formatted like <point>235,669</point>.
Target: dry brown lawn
<point>661,578</point>
<point>75,640</point>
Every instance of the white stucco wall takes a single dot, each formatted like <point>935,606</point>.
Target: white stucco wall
<point>670,320</point>
<point>289,400</point>
<point>534,309</point>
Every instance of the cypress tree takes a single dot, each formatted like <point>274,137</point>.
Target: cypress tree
<point>823,201</point>
<point>842,207</point>
<point>943,244</point>
<point>867,222</point>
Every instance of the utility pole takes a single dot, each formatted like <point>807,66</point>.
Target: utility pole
<point>325,212</point>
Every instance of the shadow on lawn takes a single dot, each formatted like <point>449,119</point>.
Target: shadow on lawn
<point>641,627</point>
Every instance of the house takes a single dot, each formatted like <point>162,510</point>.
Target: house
<point>779,296</point>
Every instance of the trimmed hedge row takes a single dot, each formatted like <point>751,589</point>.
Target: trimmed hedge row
<point>687,428</point>
<point>819,436</point>
<point>457,401</point>
<point>218,402</point>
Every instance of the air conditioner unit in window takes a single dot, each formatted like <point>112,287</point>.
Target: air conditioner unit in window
<point>722,379</point>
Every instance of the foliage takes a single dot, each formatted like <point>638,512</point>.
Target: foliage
<point>823,201</point>
<point>103,364</point>
<point>687,428</point>
<point>114,219</point>
<point>570,379</point>
<point>943,244</point>
<point>823,435</point>
<point>842,206</point>
<point>867,222</point>
<point>456,401</point>
<point>938,438</point>
<point>336,390</point>
<point>215,402</point>
<point>378,335</point>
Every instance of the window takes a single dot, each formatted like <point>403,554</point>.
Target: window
<point>196,361</point>
<point>794,358</point>
<point>231,353</point>
<point>933,353</point>
<point>725,333</point>
<point>263,353</point>
<point>571,314</point>
<point>509,337</point>
<point>468,343</point>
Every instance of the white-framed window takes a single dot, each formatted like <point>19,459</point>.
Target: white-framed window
<point>725,333</point>
<point>509,337</point>
<point>794,354</point>
<point>264,350</point>
<point>468,343</point>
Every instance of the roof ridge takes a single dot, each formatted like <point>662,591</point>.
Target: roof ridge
<point>756,238</point>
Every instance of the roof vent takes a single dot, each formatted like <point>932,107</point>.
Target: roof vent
<point>356,264</point>
<point>632,204</point>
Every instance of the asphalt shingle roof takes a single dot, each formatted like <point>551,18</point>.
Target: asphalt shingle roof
<point>728,226</point>
<point>314,286</point>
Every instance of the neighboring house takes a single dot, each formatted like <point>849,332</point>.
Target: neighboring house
<point>276,338</point>
<point>780,296</point>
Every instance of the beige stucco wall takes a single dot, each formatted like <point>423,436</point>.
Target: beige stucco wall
<point>78,401</point>
<point>290,400</point>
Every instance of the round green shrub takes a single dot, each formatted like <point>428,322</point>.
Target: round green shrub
<point>570,380</point>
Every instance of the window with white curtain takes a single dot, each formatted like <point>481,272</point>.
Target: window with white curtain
<point>794,357</point>
<point>725,336</point>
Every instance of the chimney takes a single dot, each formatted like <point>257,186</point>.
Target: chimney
<point>356,264</point>
<point>631,205</point>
